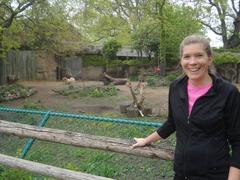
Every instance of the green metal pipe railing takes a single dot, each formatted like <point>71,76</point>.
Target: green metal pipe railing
<point>30,141</point>
<point>82,117</point>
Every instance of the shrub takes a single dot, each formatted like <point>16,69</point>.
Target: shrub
<point>171,77</point>
<point>89,91</point>
<point>110,49</point>
<point>152,81</point>
<point>94,60</point>
<point>227,57</point>
<point>14,91</point>
<point>134,62</point>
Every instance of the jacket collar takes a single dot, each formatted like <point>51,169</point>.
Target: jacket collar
<point>182,84</point>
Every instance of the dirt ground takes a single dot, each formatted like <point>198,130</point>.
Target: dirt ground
<point>156,98</point>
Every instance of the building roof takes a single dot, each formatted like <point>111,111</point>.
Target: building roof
<point>125,51</point>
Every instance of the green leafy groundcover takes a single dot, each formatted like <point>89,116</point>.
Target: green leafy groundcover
<point>14,91</point>
<point>89,91</point>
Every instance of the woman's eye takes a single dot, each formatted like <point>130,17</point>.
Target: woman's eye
<point>186,57</point>
<point>199,55</point>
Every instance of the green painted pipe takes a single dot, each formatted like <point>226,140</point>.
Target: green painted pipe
<point>30,141</point>
<point>80,116</point>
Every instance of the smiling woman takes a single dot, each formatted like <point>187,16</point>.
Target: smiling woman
<point>195,62</point>
<point>204,110</point>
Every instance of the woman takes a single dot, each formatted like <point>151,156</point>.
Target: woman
<point>204,110</point>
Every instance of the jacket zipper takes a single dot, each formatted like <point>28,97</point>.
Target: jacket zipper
<point>188,122</point>
<point>185,157</point>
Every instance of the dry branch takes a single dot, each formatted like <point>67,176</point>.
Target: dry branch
<point>137,103</point>
<point>84,140</point>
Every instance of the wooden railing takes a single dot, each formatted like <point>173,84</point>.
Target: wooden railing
<point>75,139</point>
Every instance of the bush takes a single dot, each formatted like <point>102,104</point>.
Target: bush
<point>171,77</point>
<point>89,91</point>
<point>152,81</point>
<point>94,60</point>
<point>226,57</point>
<point>103,91</point>
<point>114,63</point>
<point>14,91</point>
<point>134,62</point>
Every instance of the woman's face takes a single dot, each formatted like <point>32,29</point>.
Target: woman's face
<point>195,62</point>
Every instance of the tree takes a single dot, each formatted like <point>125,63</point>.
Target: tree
<point>110,49</point>
<point>222,17</point>
<point>161,33</point>
<point>50,28</point>
<point>97,21</point>
<point>11,10</point>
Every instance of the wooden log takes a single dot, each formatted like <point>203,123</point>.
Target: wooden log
<point>85,140</point>
<point>47,170</point>
<point>114,81</point>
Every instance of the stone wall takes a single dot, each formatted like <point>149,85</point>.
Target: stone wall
<point>92,73</point>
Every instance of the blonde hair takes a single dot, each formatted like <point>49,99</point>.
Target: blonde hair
<point>194,39</point>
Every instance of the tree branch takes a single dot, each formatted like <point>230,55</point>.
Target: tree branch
<point>233,6</point>
<point>21,7</point>
<point>211,28</point>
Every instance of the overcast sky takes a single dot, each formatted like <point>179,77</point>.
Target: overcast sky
<point>216,41</point>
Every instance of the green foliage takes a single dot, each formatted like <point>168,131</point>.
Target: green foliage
<point>115,63</point>
<point>44,26</point>
<point>147,38</point>
<point>98,60</point>
<point>227,57</point>
<point>133,78</point>
<point>152,81</point>
<point>99,21</point>
<point>14,174</point>
<point>134,62</point>
<point>171,77</point>
<point>110,49</point>
<point>89,91</point>
<point>14,91</point>
<point>94,60</point>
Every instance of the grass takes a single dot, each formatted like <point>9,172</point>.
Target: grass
<point>96,162</point>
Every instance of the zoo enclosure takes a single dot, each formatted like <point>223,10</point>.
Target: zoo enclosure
<point>75,139</point>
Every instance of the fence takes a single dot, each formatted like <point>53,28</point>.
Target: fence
<point>21,64</point>
<point>74,139</point>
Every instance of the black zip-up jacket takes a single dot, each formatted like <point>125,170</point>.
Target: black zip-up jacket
<point>205,136</point>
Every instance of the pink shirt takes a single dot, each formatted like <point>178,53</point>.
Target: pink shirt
<point>194,93</point>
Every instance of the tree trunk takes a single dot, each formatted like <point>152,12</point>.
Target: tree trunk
<point>234,40</point>
<point>2,81</point>
<point>237,74</point>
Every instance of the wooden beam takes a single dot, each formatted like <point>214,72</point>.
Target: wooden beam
<point>46,170</point>
<point>85,140</point>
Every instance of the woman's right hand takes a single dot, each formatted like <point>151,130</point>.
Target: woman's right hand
<point>145,141</point>
<point>139,142</point>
